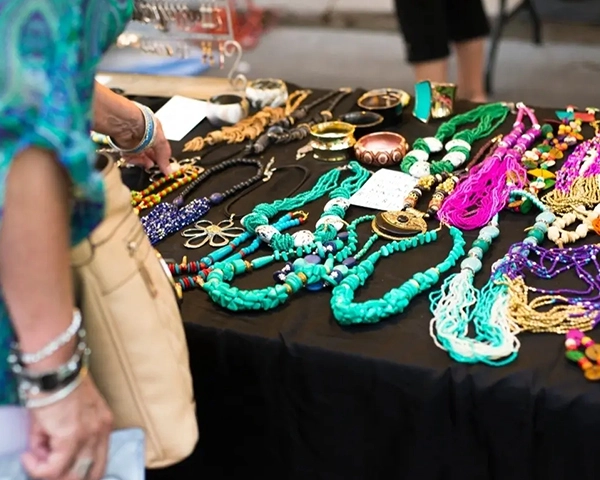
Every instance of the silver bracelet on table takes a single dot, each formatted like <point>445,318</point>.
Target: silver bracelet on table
<point>54,345</point>
<point>149,133</point>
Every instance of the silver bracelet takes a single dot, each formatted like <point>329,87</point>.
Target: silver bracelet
<point>56,397</point>
<point>149,133</point>
<point>54,345</point>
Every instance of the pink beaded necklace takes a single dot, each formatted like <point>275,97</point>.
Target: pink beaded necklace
<point>485,192</point>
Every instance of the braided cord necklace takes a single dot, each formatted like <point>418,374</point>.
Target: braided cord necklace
<point>416,162</point>
<point>167,218</point>
<point>396,300</point>
<point>251,127</point>
<point>218,283</point>
<point>486,190</point>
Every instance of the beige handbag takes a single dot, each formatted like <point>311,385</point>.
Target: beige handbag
<point>139,355</point>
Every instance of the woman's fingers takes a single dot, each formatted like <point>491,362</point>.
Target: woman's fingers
<point>58,465</point>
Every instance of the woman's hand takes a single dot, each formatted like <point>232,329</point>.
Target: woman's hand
<point>123,121</point>
<point>159,154</point>
<point>70,437</point>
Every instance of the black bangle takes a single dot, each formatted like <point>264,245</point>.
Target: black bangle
<point>34,383</point>
<point>305,170</point>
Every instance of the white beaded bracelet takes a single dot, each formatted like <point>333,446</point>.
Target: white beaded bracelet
<point>54,345</point>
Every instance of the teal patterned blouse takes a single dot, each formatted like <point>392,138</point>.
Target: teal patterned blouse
<point>50,50</point>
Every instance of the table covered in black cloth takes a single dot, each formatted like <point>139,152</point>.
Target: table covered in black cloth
<point>290,394</point>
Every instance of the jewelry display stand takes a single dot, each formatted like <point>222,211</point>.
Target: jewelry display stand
<point>180,25</point>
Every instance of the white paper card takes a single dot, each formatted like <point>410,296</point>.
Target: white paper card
<point>180,115</point>
<point>103,79</point>
<point>385,190</point>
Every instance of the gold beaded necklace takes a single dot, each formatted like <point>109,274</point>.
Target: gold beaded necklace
<point>147,198</point>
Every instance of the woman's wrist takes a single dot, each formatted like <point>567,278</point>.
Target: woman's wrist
<point>118,117</point>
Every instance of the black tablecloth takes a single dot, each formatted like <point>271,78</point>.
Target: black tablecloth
<point>290,394</point>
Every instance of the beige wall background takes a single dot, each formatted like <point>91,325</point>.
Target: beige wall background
<point>314,6</point>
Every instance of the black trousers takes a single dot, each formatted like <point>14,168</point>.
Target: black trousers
<point>429,26</point>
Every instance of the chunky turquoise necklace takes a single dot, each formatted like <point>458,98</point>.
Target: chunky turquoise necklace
<point>323,244</point>
<point>348,312</point>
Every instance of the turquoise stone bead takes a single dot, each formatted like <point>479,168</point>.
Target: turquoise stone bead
<point>490,231</point>
<point>531,240</point>
<point>541,226</point>
<point>471,263</point>
<point>476,252</point>
<point>547,217</point>
<point>342,268</point>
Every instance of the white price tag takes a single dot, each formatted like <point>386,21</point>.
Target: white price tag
<point>103,79</point>
<point>180,115</point>
<point>385,190</point>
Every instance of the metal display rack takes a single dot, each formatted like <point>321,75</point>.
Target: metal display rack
<point>179,25</point>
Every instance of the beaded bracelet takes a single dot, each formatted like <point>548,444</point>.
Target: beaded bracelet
<point>54,345</point>
<point>149,133</point>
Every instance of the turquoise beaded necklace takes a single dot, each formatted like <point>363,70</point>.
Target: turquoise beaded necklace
<point>331,220</point>
<point>458,304</point>
<point>321,243</point>
<point>348,312</point>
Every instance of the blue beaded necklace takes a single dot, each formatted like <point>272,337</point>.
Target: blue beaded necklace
<point>197,271</point>
<point>395,301</point>
<point>170,217</point>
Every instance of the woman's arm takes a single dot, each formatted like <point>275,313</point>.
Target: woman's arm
<point>35,233</point>
<point>35,276</point>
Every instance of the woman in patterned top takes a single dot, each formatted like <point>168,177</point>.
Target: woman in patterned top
<point>51,197</point>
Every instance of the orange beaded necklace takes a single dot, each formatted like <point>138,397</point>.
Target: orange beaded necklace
<point>150,197</point>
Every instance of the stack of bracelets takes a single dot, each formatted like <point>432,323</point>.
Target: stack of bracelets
<point>38,389</point>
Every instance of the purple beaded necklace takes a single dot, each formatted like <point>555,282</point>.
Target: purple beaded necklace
<point>170,217</point>
<point>552,310</point>
<point>485,192</point>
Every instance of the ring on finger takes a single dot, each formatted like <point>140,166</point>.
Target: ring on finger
<point>83,467</point>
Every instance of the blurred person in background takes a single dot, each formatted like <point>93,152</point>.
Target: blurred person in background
<point>430,27</point>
